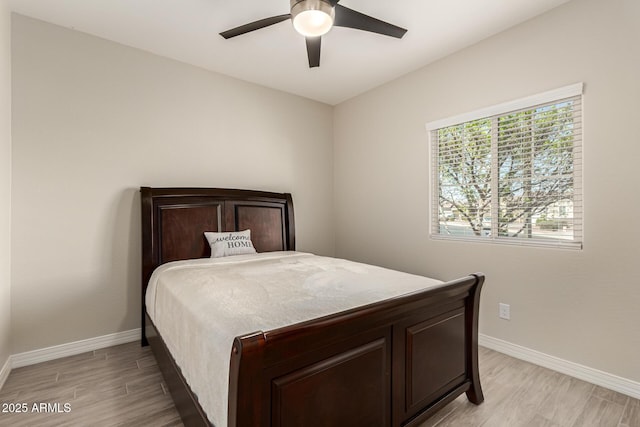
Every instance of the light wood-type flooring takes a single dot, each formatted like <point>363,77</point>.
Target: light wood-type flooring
<point>115,386</point>
<point>520,394</point>
<point>121,386</point>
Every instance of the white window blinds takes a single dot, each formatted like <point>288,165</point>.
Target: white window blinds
<point>511,177</point>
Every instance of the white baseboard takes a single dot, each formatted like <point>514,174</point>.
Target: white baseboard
<point>585,373</point>
<point>72,348</point>
<point>4,372</point>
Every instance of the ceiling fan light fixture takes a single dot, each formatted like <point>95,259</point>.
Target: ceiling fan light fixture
<point>312,18</point>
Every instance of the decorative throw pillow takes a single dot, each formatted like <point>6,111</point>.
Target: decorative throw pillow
<point>230,243</point>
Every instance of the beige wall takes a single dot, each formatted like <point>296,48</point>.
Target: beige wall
<point>580,306</point>
<point>93,121</point>
<point>5,180</point>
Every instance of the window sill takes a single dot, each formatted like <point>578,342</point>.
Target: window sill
<point>537,243</point>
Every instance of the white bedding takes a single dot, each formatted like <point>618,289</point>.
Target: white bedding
<point>200,306</point>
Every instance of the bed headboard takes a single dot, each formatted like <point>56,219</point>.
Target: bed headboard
<point>174,220</point>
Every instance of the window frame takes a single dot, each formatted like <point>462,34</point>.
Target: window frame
<point>529,102</point>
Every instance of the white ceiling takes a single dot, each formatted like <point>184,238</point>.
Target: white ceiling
<point>352,61</point>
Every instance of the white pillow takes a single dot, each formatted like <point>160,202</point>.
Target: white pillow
<point>230,243</point>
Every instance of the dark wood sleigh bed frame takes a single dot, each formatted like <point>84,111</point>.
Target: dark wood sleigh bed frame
<point>391,363</point>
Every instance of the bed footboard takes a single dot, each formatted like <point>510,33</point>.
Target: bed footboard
<point>392,363</point>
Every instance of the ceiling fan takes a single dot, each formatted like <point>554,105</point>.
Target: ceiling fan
<point>314,18</point>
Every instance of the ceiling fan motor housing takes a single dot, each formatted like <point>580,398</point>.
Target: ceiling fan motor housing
<point>312,17</point>
<point>301,5</point>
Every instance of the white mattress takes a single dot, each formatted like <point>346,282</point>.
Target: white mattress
<point>200,306</point>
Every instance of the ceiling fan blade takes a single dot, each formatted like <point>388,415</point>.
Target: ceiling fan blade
<point>313,51</point>
<point>346,17</point>
<point>333,2</point>
<point>247,28</point>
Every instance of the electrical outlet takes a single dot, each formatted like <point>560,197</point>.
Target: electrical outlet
<point>504,311</point>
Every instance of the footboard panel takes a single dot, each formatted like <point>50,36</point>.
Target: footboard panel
<point>435,359</point>
<point>323,392</point>
<point>392,363</point>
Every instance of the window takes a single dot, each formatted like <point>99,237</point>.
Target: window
<point>511,173</point>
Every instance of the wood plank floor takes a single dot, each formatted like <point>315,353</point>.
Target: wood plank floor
<point>116,386</point>
<point>121,386</point>
<point>520,394</point>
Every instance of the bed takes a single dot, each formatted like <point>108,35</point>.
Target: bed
<point>393,362</point>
